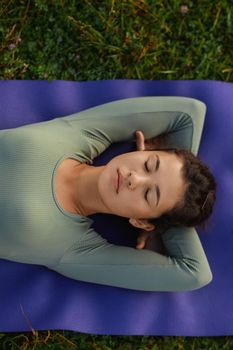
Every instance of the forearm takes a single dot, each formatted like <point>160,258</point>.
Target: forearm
<point>183,267</point>
<point>179,117</point>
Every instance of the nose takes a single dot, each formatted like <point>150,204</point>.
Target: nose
<point>136,179</point>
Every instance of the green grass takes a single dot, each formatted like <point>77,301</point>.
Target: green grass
<point>58,340</point>
<point>134,39</point>
<point>115,39</point>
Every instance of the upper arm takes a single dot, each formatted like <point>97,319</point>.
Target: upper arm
<point>181,118</point>
<point>95,260</point>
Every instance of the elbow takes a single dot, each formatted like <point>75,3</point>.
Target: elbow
<point>199,108</point>
<point>201,278</point>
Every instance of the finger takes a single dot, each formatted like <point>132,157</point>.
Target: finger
<point>140,245</point>
<point>140,141</point>
<point>141,242</point>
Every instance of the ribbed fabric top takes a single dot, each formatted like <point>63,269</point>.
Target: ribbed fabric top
<point>34,228</point>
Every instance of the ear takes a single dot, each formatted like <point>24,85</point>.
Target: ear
<point>140,141</point>
<point>142,224</point>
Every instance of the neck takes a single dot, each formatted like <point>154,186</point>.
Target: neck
<point>84,191</point>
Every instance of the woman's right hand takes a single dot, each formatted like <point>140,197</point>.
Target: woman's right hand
<point>140,141</point>
<point>157,142</point>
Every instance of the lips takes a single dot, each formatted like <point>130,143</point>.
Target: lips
<point>119,180</point>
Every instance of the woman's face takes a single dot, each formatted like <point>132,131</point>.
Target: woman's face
<point>141,184</point>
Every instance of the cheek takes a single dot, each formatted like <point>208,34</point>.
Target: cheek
<point>133,202</point>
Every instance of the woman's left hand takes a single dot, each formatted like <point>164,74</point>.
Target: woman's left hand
<point>151,241</point>
<point>142,239</point>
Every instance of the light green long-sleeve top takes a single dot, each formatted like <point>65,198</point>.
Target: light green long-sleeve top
<point>36,230</point>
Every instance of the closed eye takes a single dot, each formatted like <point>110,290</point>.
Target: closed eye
<point>157,188</point>
<point>146,167</point>
<point>147,170</point>
<point>145,195</point>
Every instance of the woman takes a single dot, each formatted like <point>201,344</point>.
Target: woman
<point>48,189</point>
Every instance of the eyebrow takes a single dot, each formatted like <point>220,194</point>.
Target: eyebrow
<point>157,162</point>
<point>158,195</point>
<point>157,187</point>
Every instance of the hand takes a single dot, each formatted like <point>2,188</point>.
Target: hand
<point>142,239</point>
<point>140,141</point>
<point>156,142</point>
<point>151,241</point>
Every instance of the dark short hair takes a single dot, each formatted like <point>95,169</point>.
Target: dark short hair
<point>196,205</point>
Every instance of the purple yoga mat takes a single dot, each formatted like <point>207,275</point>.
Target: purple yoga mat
<point>33,297</point>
